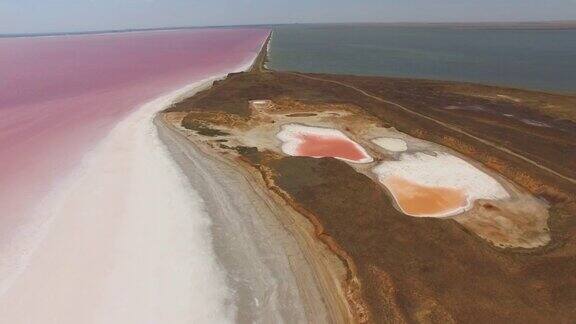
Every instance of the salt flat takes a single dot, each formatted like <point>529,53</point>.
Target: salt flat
<point>121,236</point>
<point>66,93</point>
<point>129,242</point>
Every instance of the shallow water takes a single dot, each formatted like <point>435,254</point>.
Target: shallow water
<point>88,233</point>
<point>324,146</point>
<point>436,183</point>
<point>418,200</point>
<point>268,265</point>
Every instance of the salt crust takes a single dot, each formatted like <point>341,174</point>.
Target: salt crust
<point>391,144</point>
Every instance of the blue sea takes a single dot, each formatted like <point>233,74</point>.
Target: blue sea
<point>541,59</point>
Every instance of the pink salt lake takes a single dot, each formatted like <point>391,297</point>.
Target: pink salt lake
<point>60,95</point>
<point>326,146</point>
<point>300,140</point>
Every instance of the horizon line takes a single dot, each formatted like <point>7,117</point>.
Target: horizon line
<point>550,24</point>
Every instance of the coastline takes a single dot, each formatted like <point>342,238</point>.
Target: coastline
<point>275,246</point>
<point>46,104</point>
<point>115,247</point>
<point>142,266</point>
<point>231,191</point>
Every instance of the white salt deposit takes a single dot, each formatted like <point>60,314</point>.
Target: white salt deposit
<point>391,144</point>
<point>260,102</point>
<point>443,170</point>
<point>129,241</point>
<point>291,136</point>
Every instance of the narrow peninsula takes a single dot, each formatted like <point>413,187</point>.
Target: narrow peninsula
<point>397,200</point>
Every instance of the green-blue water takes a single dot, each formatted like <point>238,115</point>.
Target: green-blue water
<point>542,59</point>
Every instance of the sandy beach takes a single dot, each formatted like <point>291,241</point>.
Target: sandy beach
<point>267,269</point>
<point>67,93</point>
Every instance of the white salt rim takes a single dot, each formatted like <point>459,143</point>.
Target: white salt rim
<point>391,144</point>
<point>443,170</point>
<point>290,137</point>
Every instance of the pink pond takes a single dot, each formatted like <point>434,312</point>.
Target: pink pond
<point>60,95</point>
<point>319,142</point>
<point>327,146</point>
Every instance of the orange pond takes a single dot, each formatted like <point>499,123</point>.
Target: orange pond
<point>328,146</point>
<point>423,201</point>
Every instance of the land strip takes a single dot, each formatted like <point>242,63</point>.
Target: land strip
<point>442,124</point>
<point>277,269</point>
<point>408,269</point>
<point>399,268</point>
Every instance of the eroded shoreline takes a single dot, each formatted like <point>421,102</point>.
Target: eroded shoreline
<point>266,244</point>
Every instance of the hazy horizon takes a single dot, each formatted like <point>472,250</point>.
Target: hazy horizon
<point>520,24</point>
<point>61,16</point>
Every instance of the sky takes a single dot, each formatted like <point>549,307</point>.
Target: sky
<point>44,16</point>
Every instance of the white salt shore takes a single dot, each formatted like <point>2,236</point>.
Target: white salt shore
<point>443,170</point>
<point>391,144</point>
<point>272,279</point>
<point>128,241</point>
<point>291,137</point>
